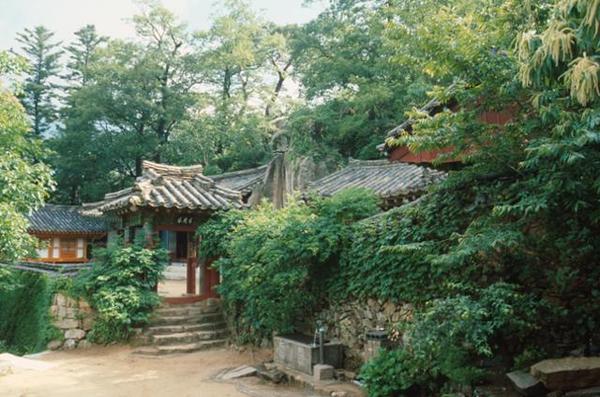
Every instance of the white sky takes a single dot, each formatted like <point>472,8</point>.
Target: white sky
<point>64,17</point>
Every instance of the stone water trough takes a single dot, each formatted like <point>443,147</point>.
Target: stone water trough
<point>301,353</point>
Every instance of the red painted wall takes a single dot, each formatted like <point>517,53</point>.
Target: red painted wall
<point>403,155</point>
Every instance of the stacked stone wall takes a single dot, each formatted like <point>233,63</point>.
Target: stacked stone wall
<point>74,318</point>
<point>349,323</point>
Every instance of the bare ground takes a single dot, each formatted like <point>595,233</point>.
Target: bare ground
<point>114,371</point>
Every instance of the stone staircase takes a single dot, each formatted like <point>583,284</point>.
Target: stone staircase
<point>184,328</point>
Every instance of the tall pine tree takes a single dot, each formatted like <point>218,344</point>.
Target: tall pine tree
<point>39,92</point>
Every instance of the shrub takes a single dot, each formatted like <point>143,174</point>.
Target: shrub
<point>120,286</point>
<point>25,323</point>
<point>275,260</point>
<point>448,337</point>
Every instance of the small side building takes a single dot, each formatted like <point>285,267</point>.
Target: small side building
<point>66,235</point>
<point>394,183</point>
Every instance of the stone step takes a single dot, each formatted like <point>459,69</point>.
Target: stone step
<point>188,337</point>
<point>186,311</point>
<point>208,304</point>
<point>175,329</point>
<point>187,319</point>
<point>183,348</point>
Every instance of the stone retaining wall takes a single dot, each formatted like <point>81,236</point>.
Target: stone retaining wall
<point>74,318</point>
<point>349,322</point>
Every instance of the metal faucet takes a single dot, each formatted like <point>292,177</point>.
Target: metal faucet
<point>320,332</point>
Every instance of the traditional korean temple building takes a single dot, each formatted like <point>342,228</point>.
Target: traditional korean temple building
<point>66,234</point>
<point>394,183</point>
<point>165,206</point>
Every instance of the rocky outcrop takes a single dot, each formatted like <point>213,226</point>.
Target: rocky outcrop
<point>569,373</point>
<point>74,318</point>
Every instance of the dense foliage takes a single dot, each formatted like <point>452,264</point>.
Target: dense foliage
<point>25,323</point>
<point>275,260</point>
<point>447,337</point>
<point>121,288</point>
<point>24,182</point>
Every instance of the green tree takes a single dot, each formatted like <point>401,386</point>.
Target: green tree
<point>24,183</point>
<point>79,160</point>
<point>127,99</point>
<point>39,92</point>
<point>83,53</point>
<point>245,64</point>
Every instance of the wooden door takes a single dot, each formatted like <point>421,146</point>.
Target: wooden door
<point>68,249</point>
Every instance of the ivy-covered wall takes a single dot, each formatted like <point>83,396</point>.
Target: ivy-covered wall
<point>25,321</point>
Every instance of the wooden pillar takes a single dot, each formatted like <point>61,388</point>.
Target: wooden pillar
<point>191,276</point>
<point>192,262</point>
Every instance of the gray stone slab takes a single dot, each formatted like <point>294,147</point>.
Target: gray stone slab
<point>239,372</point>
<point>569,373</point>
<point>526,384</point>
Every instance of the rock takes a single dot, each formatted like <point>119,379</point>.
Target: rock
<point>84,306</point>
<point>526,384</point>
<point>592,392</point>
<point>76,334</point>
<point>87,323</point>
<point>67,323</point>
<point>339,394</point>
<point>70,302</point>
<point>323,372</point>
<point>55,345</point>
<point>70,344</point>
<point>273,375</point>
<point>239,372</point>
<point>60,300</point>
<point>388,309</point>
<point>5,368</point>
<point>54,310</point>
<point>84,344</point>
<point>270,366</point>
<point>569,373</point>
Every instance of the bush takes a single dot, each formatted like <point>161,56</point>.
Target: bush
<point>25,323</point>
<point>447,337</point>
<point>276,260</point>
<point>120,286</point>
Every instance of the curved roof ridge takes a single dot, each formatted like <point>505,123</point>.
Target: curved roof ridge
<point>230,174</point>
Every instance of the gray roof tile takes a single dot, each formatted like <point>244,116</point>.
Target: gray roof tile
<point>169,186</point>
<point>64,219</point>
<point>386,179</point>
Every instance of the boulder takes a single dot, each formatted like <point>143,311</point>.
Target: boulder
<point>70,344</point>
<point>84,344</point>
<point>55,345</point>
<point>569,373</point>
<point>76,334</point>
<point>526,384</point>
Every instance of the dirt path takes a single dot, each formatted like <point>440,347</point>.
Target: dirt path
<point>114,371</point>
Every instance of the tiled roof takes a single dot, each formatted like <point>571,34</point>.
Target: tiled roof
<point>243,180</point>
<point>64,219</point>
<point>387,180</point>
<point>166,186</point>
